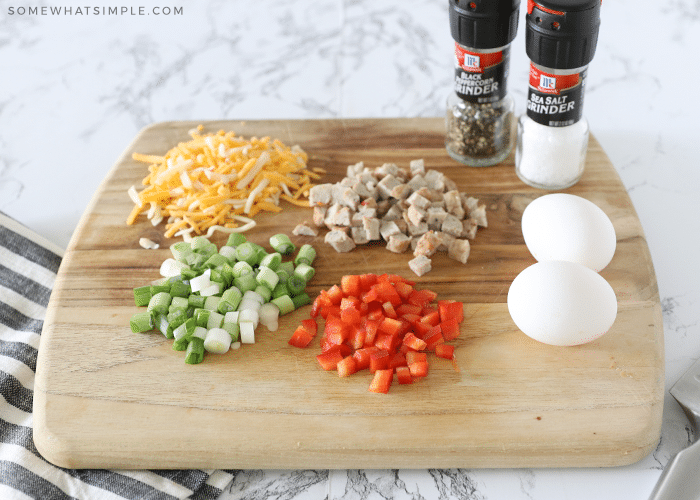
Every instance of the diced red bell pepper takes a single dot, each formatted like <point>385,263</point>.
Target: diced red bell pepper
<point>330,310</point>
<point>379,360</point>
<point>446,351</point>
<point>329,360</point>
<point>300,338</point>
<point>398,359</point>
<point>357,337</point>
<point>450,329</point>
<point>404,309</point>
<point>411,318</point>
<point>310,326</point>
<point>421,329</point>
<point>350,315</point>
<point>387,293</point>
<point>414,356</point>
<point>381,381</point>
<point>387,341</point>
<point>391,326</point>
<point>375,310</point>
<point>389,310</point>
<point>362,357</point>
<point>367,280</point>
<point>414,342</point>
<point>335,295</point>
<point>450,309</point>
<point>371,328</point>
<point>432,318</point>
<point>370,295</point>
<point>403,375</point>
<point>350,284</point>
<point>347,366</point>
<point>421,297</point>
<point>419,368</point>
<point>403,289</point>
<point>428,309</point>
<point>319,303</point>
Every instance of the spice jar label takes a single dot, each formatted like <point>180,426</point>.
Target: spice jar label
<point>480,77</point>
<point>555,100</point>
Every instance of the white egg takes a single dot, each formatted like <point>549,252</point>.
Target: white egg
<point>562,226</point>
<point>562,303</point>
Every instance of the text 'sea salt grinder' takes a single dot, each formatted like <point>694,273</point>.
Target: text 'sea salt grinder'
<point>560,38</point>
<point>480,112</point>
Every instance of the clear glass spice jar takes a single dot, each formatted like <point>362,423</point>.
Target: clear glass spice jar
<point>479,119</point>
<point>552,138</point>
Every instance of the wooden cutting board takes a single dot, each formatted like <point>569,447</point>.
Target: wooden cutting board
<point>106,397</point>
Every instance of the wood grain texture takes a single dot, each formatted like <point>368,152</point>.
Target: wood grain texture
<point>105,397</point>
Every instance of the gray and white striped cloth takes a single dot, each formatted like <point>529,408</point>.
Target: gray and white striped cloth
<point>28,266</point>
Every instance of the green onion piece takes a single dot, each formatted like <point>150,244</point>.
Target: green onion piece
<point>212,303</point>
<point>225,307</point>
<point>262,253</point>
<point>233,296</point>
<point>161,322</point>
<point>272,260</point>
<point>282,244</point>
<point>241,268</point>
<point>195,351</point>
<point>215,260</point>
<point>305,271</point>
<point>208,250</point>
<point>229,253</point>
<point>247,252</point>
<point>165,287</point>
<point>296,285</point>
<point>199,333</point>
<point>185,330</point>
<point>287,266</point>
<point>180,289</point>
<point>235,239</point>
<point>267,277</point>
<point>176,318</point>
<point>188,274</point>
<point>195,260</point>
<point>215,320</point>
<point>181,344</point>
<point>233,330</point>
<point>283,275</point>
<point>179,303</point>
<point>245,282</point>
<point>201,316</point>
<point>199,243</point>
<point>301,300</point>
<point>306,255</point>
<point>280,290</point>
<point>284,303</point>
<point>264,292</point>
<point>216,277</point>
<point>180,250</point>
<point>197,301</point>
<point>141,322</point>
<point>159,303</point>
<point>142,295</point>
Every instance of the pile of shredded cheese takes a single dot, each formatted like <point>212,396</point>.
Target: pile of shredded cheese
<point>219,182</point>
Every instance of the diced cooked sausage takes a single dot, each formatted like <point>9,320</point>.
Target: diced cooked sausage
<point>459,250</point>
<point>398,243</point>
<point>420,265</point>
<point>339,240</point>
<point>304,229</point>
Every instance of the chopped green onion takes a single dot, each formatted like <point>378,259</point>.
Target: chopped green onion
<point>201,316</point>
<point>215,320</point>
<point>179,303</point>
<point>233,330</point>
<point>283,275</point>
<point>181,344</point>
<point>245,282</point>
<point>188,274</point>
<point>267,277</point>
<point>214,288</point>
<point>229,253</point>
<point>225,307</point>
<point>241,268</point>
<point>180,289</point>
<point>280,290</point>
<point>306,255</point>
<point>197,301</point>
<point>201,282</point>
<point>247,252</point>
<point>233,296</point>
<point>199,333</point>
<point>218,341</point>
<point>172,267</point>
<point>165,287</point>
<point>301,300</point>
<point>282,244</point>
<point>272,260</point>
<point>185,330</point>
<point>142,295</point>
<point>247,333</point>
<point>212,303</point>
<point>249,316</point>
<point>176,318</point>
<point>231,317</point>
<point>284,303</point>
<point>269,314</point>
<point>264,292</point>
<point>195,260</point>
<point>305,271</point>
<point>159,303</point>
<point>235,239</point>
<point>161,322</point>
<point>180,250</point>
<point>295,284</point>
<point>195,351</point>
<point>141,322</point>
<point>215,260</point>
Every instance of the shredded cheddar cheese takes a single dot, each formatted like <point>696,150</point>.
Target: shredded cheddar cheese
<point>219,182</point>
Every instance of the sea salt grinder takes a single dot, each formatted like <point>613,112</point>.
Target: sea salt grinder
<point>479,121</point>
<point>552,140</point>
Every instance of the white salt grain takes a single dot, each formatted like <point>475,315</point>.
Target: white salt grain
<point>551,157</point>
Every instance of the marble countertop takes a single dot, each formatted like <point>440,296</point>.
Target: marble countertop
<point>76,88</point>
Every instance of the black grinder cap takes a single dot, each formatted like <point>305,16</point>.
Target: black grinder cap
<point>484,24</point>
<point>562,34</point>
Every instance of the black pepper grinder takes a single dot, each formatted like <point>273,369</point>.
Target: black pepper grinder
<point>480,112</point>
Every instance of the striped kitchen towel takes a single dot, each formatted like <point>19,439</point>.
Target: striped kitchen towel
<point>28,266</point>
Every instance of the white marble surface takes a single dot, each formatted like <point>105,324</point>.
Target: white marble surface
<point>75,89</point>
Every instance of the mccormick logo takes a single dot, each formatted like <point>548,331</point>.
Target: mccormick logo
<point>471,62</point>
<point>548,82</point>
